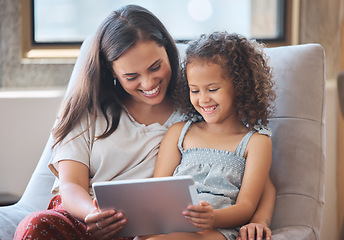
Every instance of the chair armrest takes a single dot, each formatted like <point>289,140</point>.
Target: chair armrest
<point>295,233</point>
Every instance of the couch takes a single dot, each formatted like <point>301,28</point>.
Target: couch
<point>298,139</point>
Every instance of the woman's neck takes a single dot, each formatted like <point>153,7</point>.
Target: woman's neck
<point>149,114</point>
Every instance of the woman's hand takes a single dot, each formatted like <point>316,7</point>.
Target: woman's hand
<point>201,216</point>
<point>104,224</point>
<point>254,231</point>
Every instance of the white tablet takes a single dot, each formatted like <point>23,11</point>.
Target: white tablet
<point>151,205</point>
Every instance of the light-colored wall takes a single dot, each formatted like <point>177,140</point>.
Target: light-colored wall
<point>25,123</point>
<point>329,228</point>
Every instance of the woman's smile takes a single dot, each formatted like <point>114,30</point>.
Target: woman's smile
<point>144,72</point>
<point>152,93</point>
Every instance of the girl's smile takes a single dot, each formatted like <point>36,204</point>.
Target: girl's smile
<point>209,109</point>
<point>211,93</point>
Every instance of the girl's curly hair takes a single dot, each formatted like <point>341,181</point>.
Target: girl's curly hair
<point>246,64</point>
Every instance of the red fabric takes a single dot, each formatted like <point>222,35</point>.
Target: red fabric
<point>53,223</point>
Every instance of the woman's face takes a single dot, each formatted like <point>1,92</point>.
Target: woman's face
<point>144,72</point>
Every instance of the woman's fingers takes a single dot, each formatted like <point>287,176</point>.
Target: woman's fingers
<point>242,233</point>
<point>114,220</point>
<point>254,231</point>
<point>267,233</point>
<point>251,229</point>
<point>103,225</point>
<point>96,216</point>
<point>95,203</point>
<point>108,231</point>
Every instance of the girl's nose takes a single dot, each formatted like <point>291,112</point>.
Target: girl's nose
<point>204,97</point>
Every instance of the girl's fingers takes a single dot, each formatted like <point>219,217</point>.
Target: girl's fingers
<point>198,220</point>
<point>202,207</point>
<point>201,215</point>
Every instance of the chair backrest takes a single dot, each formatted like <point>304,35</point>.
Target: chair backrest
<point>298,129</point>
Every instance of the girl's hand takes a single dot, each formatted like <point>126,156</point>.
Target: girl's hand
<point>251,230</point>
<point>105,224</point>
<point>201,216</point>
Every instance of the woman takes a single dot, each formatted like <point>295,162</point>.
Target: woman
<point>111,125</point>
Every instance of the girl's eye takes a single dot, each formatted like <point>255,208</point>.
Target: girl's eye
<point>154,69</point>
<point>194,91</point>
<point>213,90</point>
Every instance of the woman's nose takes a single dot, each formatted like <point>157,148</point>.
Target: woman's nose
<point>147,82</point>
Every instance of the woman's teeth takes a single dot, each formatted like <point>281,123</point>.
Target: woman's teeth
<point>151,92</point>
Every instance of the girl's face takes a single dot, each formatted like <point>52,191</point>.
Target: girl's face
<point>144,72</point>
<point>211,92</point>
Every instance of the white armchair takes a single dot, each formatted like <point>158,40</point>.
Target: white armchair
<point>298,148</point>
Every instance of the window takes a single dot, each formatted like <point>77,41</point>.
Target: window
<point>64,24</point>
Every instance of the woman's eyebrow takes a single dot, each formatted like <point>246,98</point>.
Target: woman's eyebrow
<point>129,74</point>
<point>151,66</point>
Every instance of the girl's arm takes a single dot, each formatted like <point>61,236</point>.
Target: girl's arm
<point>169,155</point>
<point>257,168</point>
<point>74,186</point>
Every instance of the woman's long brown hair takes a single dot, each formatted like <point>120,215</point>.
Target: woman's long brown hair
<point>94,92</point>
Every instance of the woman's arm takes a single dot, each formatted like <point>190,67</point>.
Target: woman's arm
<point>74,186</point>
<point>260,222</point>
<point>266,205</point>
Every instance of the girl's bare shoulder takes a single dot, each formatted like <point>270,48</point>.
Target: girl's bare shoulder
<point>176,128</point>
<point>259,140</point>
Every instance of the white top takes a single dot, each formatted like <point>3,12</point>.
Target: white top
<point>129,152</point>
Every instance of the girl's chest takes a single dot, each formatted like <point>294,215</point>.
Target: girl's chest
<point>208,140</point>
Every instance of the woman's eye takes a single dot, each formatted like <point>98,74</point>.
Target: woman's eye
<point>155,68</point>
<point>131,78</point>
<point>194,91</point>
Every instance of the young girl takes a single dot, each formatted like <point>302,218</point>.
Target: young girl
<point>224,144</point>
